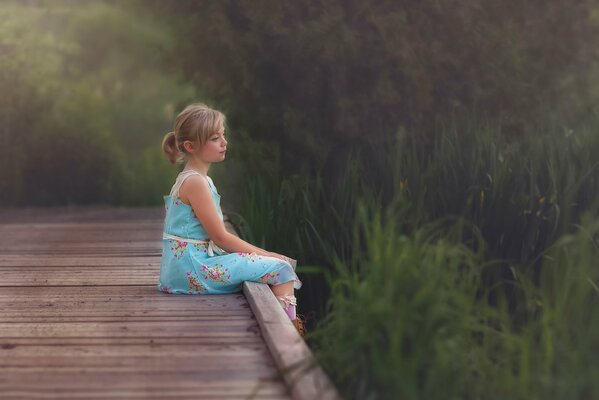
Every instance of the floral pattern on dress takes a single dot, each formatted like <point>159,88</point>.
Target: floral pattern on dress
<point>270,278</point>
<point>216,273</point>
<point>165,289</point>
<point>194,283</point>
<point>250,256</point>
<point>178,248</point>
<point>201,247</point>
<point>180,258</point>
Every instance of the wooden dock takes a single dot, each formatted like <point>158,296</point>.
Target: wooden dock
<point>80,318</point>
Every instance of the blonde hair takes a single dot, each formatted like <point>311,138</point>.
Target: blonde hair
<point>195,123</point>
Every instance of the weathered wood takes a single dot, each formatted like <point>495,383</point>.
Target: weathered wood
<point>78,278</point>
<point>9,342</point>
<point>80,317</point>
<point>62,245</point>
<point>120,384</point>
<point>303,375</point>
<point>47,260</point>
<point>165,350</point>
<point>23,215</point>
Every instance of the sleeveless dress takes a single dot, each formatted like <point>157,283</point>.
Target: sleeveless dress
<point>191,263</point>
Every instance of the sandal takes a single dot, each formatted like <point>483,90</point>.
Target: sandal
<point>299,324</point>
<point>299,321</point>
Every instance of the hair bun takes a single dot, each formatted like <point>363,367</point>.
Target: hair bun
<point>169,147</point>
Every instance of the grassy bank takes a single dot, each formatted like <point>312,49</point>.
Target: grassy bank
<point>409,318</point>
<point>461,270</point>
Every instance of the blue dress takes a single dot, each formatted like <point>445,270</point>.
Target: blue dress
<point>192,264</point>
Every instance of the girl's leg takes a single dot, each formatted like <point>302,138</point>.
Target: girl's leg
<point>283,289</point>
<point>284,293</point>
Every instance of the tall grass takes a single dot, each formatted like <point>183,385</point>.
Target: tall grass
<point>297,217</point>
<point>557,344</point>
<point>519,196</point>
<point>403,315</point>
<point>465,269</point>
<point>406,319</point>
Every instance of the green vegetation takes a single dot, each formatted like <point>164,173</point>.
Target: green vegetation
<point>86,101</point>
<point>409,319</point>
<point>432,166</point>
<point>319,80</point>
<point>482,286</point>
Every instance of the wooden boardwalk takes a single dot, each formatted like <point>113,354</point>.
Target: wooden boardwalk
<point>80,318</point>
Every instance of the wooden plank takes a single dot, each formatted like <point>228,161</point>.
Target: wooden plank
<point>140,350</point>
<point>216,366</point>
<point>109,226</point>
<point>55,260</point>
<point>302,374</point>
<point>74,236</point>
<point>66,278</point>
<point>174,393</point>
<point>164,318</point>
<point>80,317</point>
<point>135,293</point>
<point>74,269</point>
<point>66,214</point>
<point>81,379</point>
<point>9,342</point>
<point>166,394</point>
<point>95,381</point>
<point>118,329</point>
<point>95,253</point>
<point>140,358</point>
<point>147,293</point>
<point>164,385</point>
<point>25,248</point>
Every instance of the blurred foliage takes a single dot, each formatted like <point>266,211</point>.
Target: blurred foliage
<point>88,95</point>
<point>518,197</point>
<point>303,83</point>
<point>467,271</point>
<point>406,320</point>
<point>315,79</point>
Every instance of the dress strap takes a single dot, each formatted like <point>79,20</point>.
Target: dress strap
<point>181,178</point>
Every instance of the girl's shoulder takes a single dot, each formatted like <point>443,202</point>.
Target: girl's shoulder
<point>181,185</point>
<point>194,176</point>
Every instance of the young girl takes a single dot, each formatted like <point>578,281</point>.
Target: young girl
<point>199,255</point>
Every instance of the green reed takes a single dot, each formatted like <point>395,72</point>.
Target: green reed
<point>461,269</point>
<point>402,314</point>
<point>406,319</point>
<point>295,216</point>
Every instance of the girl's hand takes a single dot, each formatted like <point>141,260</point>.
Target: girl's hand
<point>279,256</point>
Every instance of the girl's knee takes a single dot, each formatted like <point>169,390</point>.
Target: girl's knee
<point>283,288</point>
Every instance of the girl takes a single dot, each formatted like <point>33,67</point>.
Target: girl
<point>199,255</point>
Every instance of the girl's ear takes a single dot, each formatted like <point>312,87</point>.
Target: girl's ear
<point>188,146</point>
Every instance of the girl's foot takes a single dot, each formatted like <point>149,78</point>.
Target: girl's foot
<point>299,324</point>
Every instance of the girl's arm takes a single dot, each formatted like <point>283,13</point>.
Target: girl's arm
<point>232,243</point>
<point>196,189</point>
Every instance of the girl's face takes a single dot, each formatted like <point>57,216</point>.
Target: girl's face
<point>214,149</point>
